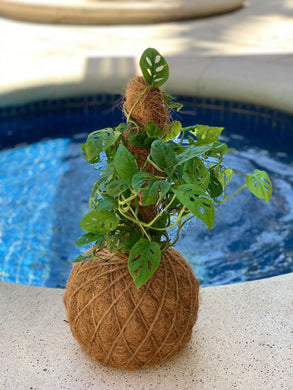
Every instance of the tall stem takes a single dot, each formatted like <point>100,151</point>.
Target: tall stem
<point>235,192</point>
<point>136,101</point>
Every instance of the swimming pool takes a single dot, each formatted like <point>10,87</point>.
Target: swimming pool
<point>45,186</point>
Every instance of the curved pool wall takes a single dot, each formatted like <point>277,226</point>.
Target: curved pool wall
<point>67,122</point>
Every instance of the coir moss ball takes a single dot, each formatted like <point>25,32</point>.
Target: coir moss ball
<point>121,326</point>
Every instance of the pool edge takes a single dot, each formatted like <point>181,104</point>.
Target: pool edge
<point>239,79</point>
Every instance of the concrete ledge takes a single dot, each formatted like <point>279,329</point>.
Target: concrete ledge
<point>239,79</point>
<point>113,12</point>
<point>242,340</point>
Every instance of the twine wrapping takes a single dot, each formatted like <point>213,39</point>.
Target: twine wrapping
<point>121,326</point>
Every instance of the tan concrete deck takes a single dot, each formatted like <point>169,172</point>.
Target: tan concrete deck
<point>243,337</point>
<point>241,340</point>
<point>113,11</point>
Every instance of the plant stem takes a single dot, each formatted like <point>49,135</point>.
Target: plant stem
<point>234,193</point>
<point>150,224</point>
<point>136,221</point>
<point>152,163</point>
<point>179,217</point>
<point>127,200</point>
<point>136,101</point>
<point>182,137</point>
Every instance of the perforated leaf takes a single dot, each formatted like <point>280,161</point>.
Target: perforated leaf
<point>123,239</point>
<point>150,188</point>
<point>195,172</point>
<point>99,141</point>
<point>98,187</point>
<point>224,175</point>
<point>198,202</point>
<point>206,134</point>
<point>259,184</point>
<point>218,149</point>
<point>154,67</point>
<point>158,189</point>
<point>99,222</point>
<point>140,179</point>
<point>87,239</point>
<point>172,130</point>
<point>144,259</point>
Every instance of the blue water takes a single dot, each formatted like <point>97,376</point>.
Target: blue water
<point>250,239</point>
<point>45,186</point>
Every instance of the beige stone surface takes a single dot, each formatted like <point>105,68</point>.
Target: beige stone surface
<point>242,340</point>
<point>113,11</point>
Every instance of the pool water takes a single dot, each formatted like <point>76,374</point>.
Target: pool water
<point>45,186</point>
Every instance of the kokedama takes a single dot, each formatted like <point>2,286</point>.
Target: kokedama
<point>132,299</point>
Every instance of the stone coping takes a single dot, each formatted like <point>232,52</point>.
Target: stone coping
<point>113,11</point>
<point>242,340</point>
<point>233,78</point>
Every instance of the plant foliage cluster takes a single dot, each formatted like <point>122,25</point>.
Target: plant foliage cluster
<point>192,181</point>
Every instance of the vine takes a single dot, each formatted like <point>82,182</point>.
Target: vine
<point>191,181</point>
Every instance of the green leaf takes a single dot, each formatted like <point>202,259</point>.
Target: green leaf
<point>122,127</point>
<point>195,172</point>
<point>115,241</point>
<point>123,239</point>
<point>116,187</point>
<point>99,222</point>
<point>99,141</point>
<point>224,175</point>
<point>172,130</point>
<point>131,239</point>
<point>215,187</point>
<point>154,67</point>
<point>217,149</point>
<point>137,139</point>
<point>87,239</point>
<point>107,204</point>
<point>153,130</point>
<point>163,154</point>
<point>259,184</point>
<point>144,259</point>
<point>125,163</point>
<point>206,134</point>
<point>150,188</point>
<point>191,152</point>
<point>198,202</point>
<point>191,140</point>
<point>140,179</point>
<point>169,102</point>
<point>97,189</point>
<point>154,190</point>
<point>83,257</point>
